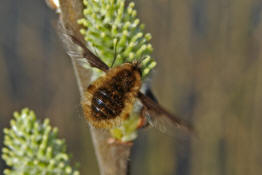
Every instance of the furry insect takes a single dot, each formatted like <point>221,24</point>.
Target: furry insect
<point>110,99</point>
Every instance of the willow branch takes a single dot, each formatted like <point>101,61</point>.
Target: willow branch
<point>112,158</point>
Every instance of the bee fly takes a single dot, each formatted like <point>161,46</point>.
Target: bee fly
<point>109,100</point>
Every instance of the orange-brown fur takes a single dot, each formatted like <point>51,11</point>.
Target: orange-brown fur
<point>130,97</point>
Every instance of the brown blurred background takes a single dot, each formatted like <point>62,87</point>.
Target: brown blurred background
<point>209,55</point>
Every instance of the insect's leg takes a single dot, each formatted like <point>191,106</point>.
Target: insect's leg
<point>143,118</point>
<point>143,123</point>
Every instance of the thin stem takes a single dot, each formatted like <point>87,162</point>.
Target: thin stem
<point>112,158</point>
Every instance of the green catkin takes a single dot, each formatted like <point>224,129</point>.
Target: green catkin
<point>32,147</point>
<point>106,22</point>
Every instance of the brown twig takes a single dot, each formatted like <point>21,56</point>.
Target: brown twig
<point>112,158</point>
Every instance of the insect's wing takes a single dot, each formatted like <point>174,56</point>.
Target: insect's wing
<point>77,49</point>
<point>163,120</point>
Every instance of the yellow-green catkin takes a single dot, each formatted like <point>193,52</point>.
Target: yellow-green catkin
<point>112,30</point>
<point>32,147</point>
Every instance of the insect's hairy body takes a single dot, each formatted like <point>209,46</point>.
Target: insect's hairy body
<point>106,107</point>
<point>109,99</point>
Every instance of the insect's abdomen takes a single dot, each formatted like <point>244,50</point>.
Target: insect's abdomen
<point>111,97</point>
<point>108,101</point>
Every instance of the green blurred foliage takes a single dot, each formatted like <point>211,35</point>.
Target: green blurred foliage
<point>209,70</point>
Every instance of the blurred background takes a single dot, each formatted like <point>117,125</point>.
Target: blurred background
<point>209,55</point>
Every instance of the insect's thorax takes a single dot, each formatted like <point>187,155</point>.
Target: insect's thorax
<point>113,95</point>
